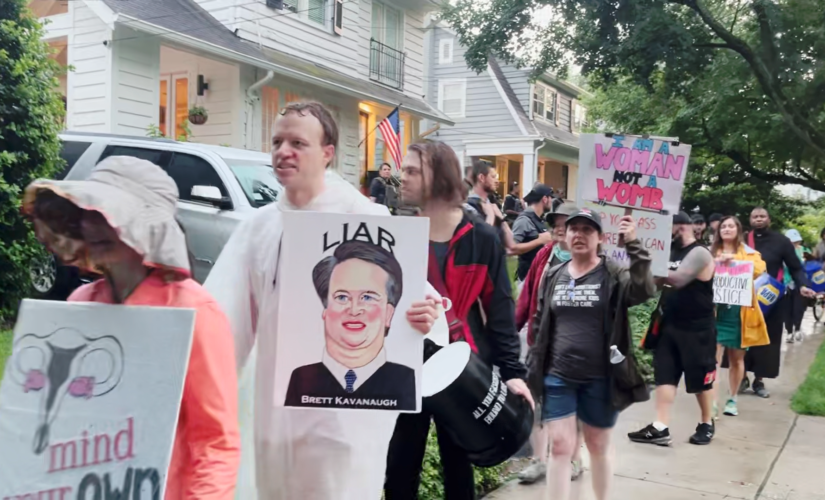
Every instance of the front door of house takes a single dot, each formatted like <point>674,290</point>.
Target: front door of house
<point>173,114</point>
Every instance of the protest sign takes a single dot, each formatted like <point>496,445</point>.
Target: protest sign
<point>632,171</point>
<point>733,283</point>
<point>652,229</point>
<point>343,339</point>
<point>89,400</point>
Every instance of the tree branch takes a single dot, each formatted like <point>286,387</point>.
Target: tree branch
<point>767,37</point>
<point>796,122</point>
<point>712,45</point>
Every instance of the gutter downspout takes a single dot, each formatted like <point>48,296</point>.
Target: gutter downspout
<point>250,106</point>
<point>536,160</point>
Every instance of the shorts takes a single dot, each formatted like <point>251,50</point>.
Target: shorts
<point>589,401</point>
<point>688,352</point>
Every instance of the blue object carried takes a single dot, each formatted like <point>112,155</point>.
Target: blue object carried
<point>816,276</point>
<point>768,291</point>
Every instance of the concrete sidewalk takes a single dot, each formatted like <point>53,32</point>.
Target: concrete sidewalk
<point>766,453</point>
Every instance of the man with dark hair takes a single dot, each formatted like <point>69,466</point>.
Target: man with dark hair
<point>699,226</point>
<point>686,332</point>
<point>485,183</point>
<point>778,253</point>
<point>529,231</point>
<point>513,205</point>
<point>303,453</point>
<point>360,286</point>
<point>467,265</point>
<point>378,187</point>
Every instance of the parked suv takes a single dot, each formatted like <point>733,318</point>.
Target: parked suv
<point>218,188</point>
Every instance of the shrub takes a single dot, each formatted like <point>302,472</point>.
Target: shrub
<point>639,321</point>
<point>31,113</point>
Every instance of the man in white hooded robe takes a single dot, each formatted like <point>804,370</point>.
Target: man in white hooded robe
<point>299,453</point>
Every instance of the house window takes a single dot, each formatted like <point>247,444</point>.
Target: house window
<point>579,117</point>
<point>544,103</point>
<point>317,11</point>
<point>452,97</point>
<point>386,26</point>
<point>445,51</point>
<point>312,10</point>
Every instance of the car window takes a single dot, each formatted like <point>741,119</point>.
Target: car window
<point>71,151</point>
<point>153,155</point>
<point>189,171</point>
<point>258,182</point>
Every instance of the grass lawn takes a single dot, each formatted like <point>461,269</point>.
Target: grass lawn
<point>810,397</point>
<point>5,349</point>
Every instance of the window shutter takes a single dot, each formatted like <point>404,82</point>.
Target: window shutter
<point>338,17</point>
<point>556,108</point>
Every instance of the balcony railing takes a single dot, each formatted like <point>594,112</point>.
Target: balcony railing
<point>386,64</point>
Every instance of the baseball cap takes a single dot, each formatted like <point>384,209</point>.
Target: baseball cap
<point>697,218</point>
<point>715,217</point>
<point>793,235</point>
<point>682,218</point>
<point>566,209</point>
<point>538,192</point>
<point>586,213</point>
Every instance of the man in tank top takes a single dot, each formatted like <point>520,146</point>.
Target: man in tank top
<point>686,343</point>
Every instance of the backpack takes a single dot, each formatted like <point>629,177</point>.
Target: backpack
<point>391,194</point>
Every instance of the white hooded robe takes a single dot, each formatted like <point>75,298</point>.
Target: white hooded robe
<point>299,453</point>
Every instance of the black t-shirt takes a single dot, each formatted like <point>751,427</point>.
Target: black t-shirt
<point>378,190</point>
<point>578,307</point>
<point>527,228</point>
<point>440,249</point>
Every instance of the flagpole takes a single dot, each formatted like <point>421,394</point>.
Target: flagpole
<point>397,108</point>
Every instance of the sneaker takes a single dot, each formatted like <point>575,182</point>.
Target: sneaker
<point>578,470</point>
<point>730,408</point>
<point>535,471</point>
<point>744,386</point>
<point>704,434</point>
<point>651,435</point>
<point>789,338</point>
<point>799,336</point>
<point>759,389</point>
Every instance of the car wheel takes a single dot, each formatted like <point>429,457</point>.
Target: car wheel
<point>49,280</point>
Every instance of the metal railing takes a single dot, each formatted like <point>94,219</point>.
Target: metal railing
<point>386,64</point>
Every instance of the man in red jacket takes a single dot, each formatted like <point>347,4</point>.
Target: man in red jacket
<point>551,255</point>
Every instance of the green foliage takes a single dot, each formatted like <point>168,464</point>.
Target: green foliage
<point>810,396</point>
<point>811,223</point>
<point>432,478</point>
<point>639,321</point>
<point>154,132</point>
<point>31,114</point>
<point>5,349</point>
<point>186,132</point>
<point>741,81</point>
<point>198,111</point>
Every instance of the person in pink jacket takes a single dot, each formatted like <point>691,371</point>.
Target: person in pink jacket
<point>121,223</point>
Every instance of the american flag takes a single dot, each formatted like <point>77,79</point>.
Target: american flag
<point>391,132</point>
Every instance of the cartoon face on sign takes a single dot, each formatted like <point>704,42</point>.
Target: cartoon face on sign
<point>64,362</point>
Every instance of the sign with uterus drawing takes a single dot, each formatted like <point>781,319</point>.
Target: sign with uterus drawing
<point>89,400</point>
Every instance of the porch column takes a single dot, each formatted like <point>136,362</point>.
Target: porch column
<point>528,172</point>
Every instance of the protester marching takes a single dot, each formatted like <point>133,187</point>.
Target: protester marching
<point>322,378</point>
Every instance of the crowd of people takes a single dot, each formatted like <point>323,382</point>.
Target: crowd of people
<point>565,346</point>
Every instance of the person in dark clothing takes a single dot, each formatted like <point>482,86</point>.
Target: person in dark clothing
<point>513,205</point>
<point>713,226</point>
<point>699,227</point>
<point>529,231</point>
<point>581,365</point>
<point>686,332</point>
<point>467,265</point>
<point>378,187</point>
<point>777,251</point>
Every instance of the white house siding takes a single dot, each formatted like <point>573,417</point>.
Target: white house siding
<point>135,70</point>
<point>414,48</point>
<point>487,116</point>
<point>89,92</point>
<point>289,32</point>
<point>223,101</point>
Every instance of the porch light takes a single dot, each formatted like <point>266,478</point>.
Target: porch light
<point>202,85</point>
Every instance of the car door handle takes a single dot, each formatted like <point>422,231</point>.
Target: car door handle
<point>206,261</point>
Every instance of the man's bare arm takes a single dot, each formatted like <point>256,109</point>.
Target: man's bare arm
<point>696,261</point>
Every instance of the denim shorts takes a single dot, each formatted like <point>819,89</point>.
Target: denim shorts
<point>589,401</point>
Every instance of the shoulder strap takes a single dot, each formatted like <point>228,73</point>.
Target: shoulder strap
<point>750,240</point>
<point>436,279</point>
